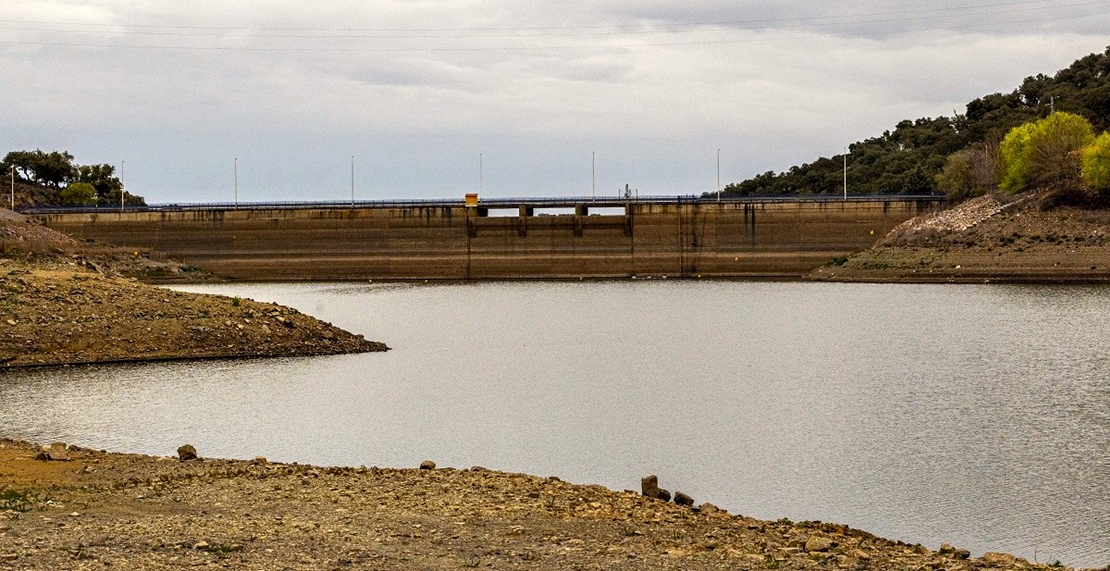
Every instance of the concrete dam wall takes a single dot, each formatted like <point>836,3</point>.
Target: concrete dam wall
<point>753,238</point>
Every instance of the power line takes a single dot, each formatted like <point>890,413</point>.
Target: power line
<point>767,23</point>
<point>542,48</point>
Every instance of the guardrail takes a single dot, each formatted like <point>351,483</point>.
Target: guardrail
<point>551,202</point>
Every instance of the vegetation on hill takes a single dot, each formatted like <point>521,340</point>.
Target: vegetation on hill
<point>919,156</point>
<point>53,179</point>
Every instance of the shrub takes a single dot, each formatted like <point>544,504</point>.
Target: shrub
<point>1044,152</point>
<point>1096,164</point>
<point>78,194</point>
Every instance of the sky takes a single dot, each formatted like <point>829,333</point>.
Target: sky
<point>207,101</point>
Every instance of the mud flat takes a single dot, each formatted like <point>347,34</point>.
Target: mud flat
<point>98,510</point>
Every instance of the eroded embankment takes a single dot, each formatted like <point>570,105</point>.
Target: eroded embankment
<point>120,511</point>
<point>995,238</point>
<point>62,303</point>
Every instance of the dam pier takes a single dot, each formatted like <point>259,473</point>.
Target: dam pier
<point>556,238</point>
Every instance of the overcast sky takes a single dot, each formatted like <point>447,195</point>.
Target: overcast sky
<point>415,90</point>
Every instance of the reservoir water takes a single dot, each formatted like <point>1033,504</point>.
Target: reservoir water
<point>975,415</point>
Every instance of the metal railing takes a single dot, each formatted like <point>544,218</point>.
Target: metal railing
<point>531,202</point>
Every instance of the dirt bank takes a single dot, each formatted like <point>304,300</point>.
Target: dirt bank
<point>996,238</point>
<point>64,303</point>
<point>101,510</point>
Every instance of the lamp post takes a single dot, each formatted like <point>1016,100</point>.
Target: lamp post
<point>13,188</point>
<point>845,173</point>
<point>352,181</point>
<point>480,181</point>
<point>121,192</point>
<point>235,167</point>
<point>718,176</point>
<point>593,175</point>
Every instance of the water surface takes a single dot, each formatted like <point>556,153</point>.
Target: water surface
<point>976,415</point>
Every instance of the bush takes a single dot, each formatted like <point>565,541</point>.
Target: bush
<point>1096,164</point>
<point>78,194</point>
<point>969,173</point>
<point>1045,152</point>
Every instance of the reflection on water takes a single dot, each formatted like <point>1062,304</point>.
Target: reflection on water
<point>976,415</point>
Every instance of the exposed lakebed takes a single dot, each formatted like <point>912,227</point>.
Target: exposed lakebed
<point>976,415</point>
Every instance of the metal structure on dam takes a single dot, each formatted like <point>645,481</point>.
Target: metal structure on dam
<point>504,238</point>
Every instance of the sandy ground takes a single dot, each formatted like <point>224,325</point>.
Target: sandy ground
<point>116,511</point>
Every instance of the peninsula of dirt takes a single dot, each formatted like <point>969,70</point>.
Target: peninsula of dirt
<point>62,303</point>
<point>97,510</point>
<point>997,238</point>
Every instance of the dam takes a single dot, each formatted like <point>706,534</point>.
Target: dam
<point>560,238</point>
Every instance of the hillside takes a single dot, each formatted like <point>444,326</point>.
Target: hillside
<point>1024,238</point>
<point>907,159</point>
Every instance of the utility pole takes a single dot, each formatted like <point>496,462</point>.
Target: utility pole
<point>480,181</point>
<point>235,167</point>
<point>121,191</point>
<point>593,175</point>
<point>845,173</point>
<point>13,188</point>
<point>352,181</point>
<point>718,176</point>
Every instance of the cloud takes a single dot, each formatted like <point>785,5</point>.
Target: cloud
<point>657,85</point>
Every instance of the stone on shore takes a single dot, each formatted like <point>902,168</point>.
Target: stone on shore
<point>427,465</point>
<point>186,453</point>
<point>56,451</point>
<point>682,499</point>
<point>818,543</point>
<point>649,486</point>
<point>664,495</point>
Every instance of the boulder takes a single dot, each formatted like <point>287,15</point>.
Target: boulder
<point>664,495</point>
<point>56,451</point>
<point>996,559</point>
<point>427,465</point>
<point>818,543</point>
<point>683,499</point>
<point>187,452</point>
<point>708,508</point>
<point>261,460</point>
<point>649,486</point>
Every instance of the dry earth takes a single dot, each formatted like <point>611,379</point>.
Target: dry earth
<point>116,511</point>
<point>994,238</point>
<point>62,304</point>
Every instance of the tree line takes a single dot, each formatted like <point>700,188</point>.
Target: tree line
<point>914,157</point>
<point>65,182</point>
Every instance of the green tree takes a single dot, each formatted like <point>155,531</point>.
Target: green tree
<point>1096,164</point>
<point>54,169</point>
<point>102,177</point>
<point>79,194</point>
<point>1045,152</point>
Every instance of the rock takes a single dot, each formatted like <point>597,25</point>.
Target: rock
<point>708,508</point>
<point>186,453</point>
<point>946,549</point>
<point>649,486</point>
<point>683,499</point>
<point>427,465</point>
<point>998,559</point>
<point>56,451</point>
<point>261,460</point>
<point>818,543</point>
<point>664,495</point>
<point>962,554</point>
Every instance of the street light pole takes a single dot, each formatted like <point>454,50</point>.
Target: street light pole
<point>13,188</point>
<point>121,191</point>
<point>480,181</point>
<point>593,175</point>
<point>718,175</point>
<point>235,167</point>
<point>352,181</point>
<point>845,173</point>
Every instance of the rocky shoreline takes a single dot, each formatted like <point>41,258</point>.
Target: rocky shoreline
<point>996,238</point>
<point>99,510</point>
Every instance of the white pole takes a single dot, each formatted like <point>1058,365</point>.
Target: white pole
<point>121,192</point>
<point>13,188</point>
<point>845,173</point>
<point>593,175</point>
<point>352,181</point>
<point>235,166</point>
<point>480,181</point>
<point>718,175</point>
